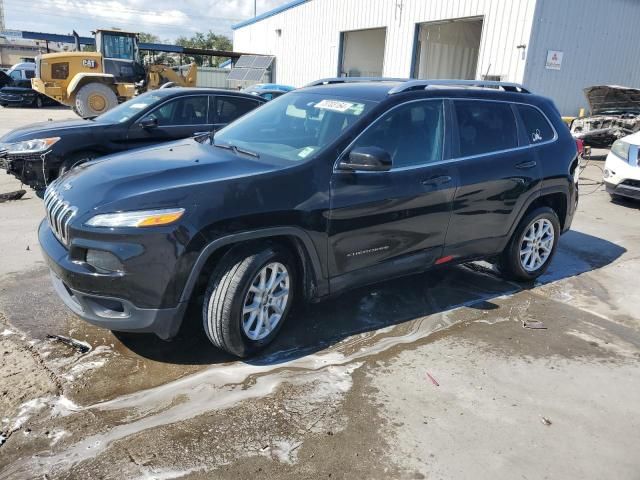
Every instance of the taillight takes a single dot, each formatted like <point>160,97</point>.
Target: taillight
<point>580,145</point>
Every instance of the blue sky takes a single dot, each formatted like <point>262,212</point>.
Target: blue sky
<point>166,18</point>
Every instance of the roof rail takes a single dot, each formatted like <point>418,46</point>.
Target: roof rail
<point>329,81</point>
<point>423,84</point>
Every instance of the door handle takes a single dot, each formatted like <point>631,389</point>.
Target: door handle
<point>526,165</point>
<point>436,181</point>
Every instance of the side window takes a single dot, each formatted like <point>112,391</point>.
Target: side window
<point>230,108</point>
<point>16,75</point>
<point>413,134</point>
<point>536,125</point>
<point>485,127</point>
<point>30,73</point>
<point>182,111</point>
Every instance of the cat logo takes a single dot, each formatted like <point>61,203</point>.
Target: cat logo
<point>89,63</point>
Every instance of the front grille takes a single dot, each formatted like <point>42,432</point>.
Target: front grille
<point>631,183</point>
<point>27,157</point>
<point>7,97</point>
<point>59,214</point>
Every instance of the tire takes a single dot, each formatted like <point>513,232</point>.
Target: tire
<point>95,98</point>
<point>523,268</point>
<point>38,103</point>
<point>231,287</point>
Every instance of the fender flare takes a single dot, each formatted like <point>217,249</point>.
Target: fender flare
<point>315,268</point>
<point>80,77</point>
<point>532,198</point>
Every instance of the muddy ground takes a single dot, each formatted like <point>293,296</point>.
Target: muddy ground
<point>428,377</point>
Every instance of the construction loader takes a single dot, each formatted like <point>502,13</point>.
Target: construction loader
<point>94,82</point>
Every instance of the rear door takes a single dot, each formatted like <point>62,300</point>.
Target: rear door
<point>498,172</point>
<point>389,223</point>
<point>175,119</point>
<point>226,108</point>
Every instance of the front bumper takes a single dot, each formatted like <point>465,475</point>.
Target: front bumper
<point>623,189</point>
<point>16,100</point>
<point>28,168</point>
<point>622,177</point>
<point>113,313</point>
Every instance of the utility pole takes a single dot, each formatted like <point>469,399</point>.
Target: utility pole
<point>2,15</point>
<point>255,8</point>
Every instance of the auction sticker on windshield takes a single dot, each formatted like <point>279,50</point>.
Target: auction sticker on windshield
<point>335,105</point>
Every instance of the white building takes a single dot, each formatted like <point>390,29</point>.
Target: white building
<point>554,47</point>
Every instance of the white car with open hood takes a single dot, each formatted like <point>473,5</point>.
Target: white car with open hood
<point>622,169</point>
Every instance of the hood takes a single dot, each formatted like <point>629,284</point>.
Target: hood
<point>169,175</point>
<point>612,98</point>
<point>45,129</point>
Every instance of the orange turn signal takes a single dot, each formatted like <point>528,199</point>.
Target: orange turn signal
<point>161,219</point>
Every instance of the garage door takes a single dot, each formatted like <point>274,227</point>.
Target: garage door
<point>448,49</point>
<point>363,53</point>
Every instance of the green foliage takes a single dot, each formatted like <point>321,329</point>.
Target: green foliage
<point>144,37</point>
<point>209,41</point>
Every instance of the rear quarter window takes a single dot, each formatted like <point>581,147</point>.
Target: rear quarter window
<point>536,125</point>
<point>485,127</point>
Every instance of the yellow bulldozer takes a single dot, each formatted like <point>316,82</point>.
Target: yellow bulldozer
<point>94,82</point>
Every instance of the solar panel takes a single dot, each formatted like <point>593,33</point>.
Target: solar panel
<point>254,74</point>
<point>263,62</point>
<point>245,61</point>
<point>237,73</point>
<point>250,68</point>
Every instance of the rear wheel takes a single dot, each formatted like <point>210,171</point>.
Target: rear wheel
<point>248,298</point>
<point>38,103</point>
<point>532,246</point>
<point>94,99</point>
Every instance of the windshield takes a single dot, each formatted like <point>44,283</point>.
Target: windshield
<point>128,109</point>
<point>295,126</point>
<point>118,46</point>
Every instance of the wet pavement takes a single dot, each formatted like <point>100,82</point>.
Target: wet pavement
<point>430,376</point>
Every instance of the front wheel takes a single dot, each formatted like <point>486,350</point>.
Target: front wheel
<point>532,246</point>
<point>94,99</point>
<point>248,298</point>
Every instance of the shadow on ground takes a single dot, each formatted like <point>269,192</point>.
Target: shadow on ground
<point>315,327</point>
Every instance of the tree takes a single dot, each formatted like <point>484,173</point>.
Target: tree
<point>209,41</point>
<point>144,37</point>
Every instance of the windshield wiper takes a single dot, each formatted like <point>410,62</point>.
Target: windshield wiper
<point>236,149</point>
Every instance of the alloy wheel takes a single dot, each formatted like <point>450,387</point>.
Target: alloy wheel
<point>265,301</point>
<point>537,244</point>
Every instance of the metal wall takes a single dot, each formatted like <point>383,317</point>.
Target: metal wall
<point>306,38</point>
<point>215,77</point>
<point>599,40</point>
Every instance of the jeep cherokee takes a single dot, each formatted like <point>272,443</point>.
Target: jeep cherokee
<point>336,185</point>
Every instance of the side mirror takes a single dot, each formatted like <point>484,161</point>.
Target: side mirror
<point>148,123</point>
<point>367,159</point>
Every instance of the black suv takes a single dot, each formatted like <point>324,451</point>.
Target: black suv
<point>329,187</point>
<point>37,154</point>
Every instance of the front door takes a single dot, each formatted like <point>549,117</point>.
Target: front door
<point>175,119</point>
<point>395,222</point>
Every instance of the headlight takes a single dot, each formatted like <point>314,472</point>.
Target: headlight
<point>144,218</point>
<point>36,145</point>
